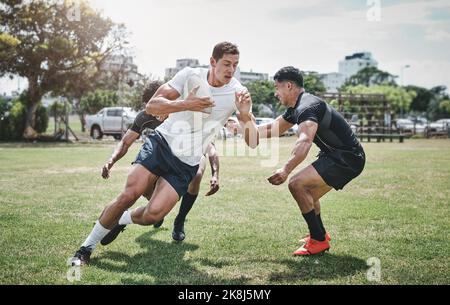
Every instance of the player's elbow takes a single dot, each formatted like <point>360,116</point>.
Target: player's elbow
<point>152,108</point>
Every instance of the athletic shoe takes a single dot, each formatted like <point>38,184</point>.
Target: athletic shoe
<point>81,257</point>
<point>112,235</point>
<point>158,224</point>
<point>305,239</point>
<point>178,232</point>
<point>313,247</point>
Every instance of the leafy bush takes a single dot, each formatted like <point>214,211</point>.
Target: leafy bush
<point>13,117</point>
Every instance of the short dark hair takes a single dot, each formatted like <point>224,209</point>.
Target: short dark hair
<point>224,48</point>
<point>289,74</point>
<point>150,90</point>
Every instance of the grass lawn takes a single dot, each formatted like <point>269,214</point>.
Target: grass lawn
<point>397,211</point>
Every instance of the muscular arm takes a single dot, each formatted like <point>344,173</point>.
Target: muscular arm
<point>307,132</point>
<point>248,125</point>
<point>164,102</point>
<point>274,129</point>
<point>120,151</point>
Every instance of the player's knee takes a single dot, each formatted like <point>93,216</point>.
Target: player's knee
<point>296,185</point>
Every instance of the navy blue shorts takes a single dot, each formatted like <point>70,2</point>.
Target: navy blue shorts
<point>156,156</point>
<point>339,167</point>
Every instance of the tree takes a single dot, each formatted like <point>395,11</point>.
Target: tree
<point>438,107</point>
<point>370,76</point>
<point>55,53</point>
<point>444,106</point>
<point>312,82</point>
<point>399,97</point>
<point>93,102</point>
<point>13,116</point>
<point>423,98</point>
<point>263,93</point>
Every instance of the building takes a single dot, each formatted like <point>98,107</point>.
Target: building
<point>181,64</point>
<point>247,77</point>
<point>348,67</point>
<point>352,64</point>
<point>332,81</point>
<point>119,63</point>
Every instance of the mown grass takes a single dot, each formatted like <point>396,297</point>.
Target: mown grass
<point>397,211</point>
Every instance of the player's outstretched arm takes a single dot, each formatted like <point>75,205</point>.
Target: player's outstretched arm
<point>120,151</point>
<point>307,132</point>
<point>275,128</point>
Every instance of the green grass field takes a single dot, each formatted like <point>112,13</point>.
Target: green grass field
<point>397,211</point>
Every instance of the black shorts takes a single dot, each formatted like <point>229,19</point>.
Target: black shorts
<point>156,156</point>
<point>339,167</point>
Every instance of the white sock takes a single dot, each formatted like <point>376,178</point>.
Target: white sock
<point>97,234</point>
<point>126,218</point>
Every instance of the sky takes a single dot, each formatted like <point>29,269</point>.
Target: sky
<point>313,35</point>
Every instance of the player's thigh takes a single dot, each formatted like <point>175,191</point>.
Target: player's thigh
<point>139,180</point>
<point>310,180</point>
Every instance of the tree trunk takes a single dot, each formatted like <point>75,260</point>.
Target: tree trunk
<point>34,97</point>
<point>82,116</point>
<point>29,132</point>
<point>80,112</point>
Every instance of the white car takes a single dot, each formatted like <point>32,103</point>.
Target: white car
<point>408,126</point>
<point>440,125</point>
<point>263,121</point>
<point>110,121</point>
<point>290,132</point>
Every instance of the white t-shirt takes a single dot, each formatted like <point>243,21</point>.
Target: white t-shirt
<point>188,133</point>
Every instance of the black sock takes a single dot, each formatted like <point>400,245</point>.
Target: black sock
<point>314,227</point>
<point>319,220</point>
<point>186,204</point>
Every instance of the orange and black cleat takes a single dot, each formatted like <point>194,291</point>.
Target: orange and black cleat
<point>305,239</point>
<point>312,247</point>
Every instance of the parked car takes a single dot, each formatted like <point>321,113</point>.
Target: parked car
<point>440,125</point>
<point>291,131</point>
<point>408,126</point>
<point>110,121</point>
<point>263,121</point>
<point>354,123</point>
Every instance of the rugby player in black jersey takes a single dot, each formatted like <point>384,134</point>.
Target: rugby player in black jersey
<point>340,160</point>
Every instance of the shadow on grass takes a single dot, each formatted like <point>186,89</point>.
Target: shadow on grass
<point>321,267</point>
<point>165,262</point>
